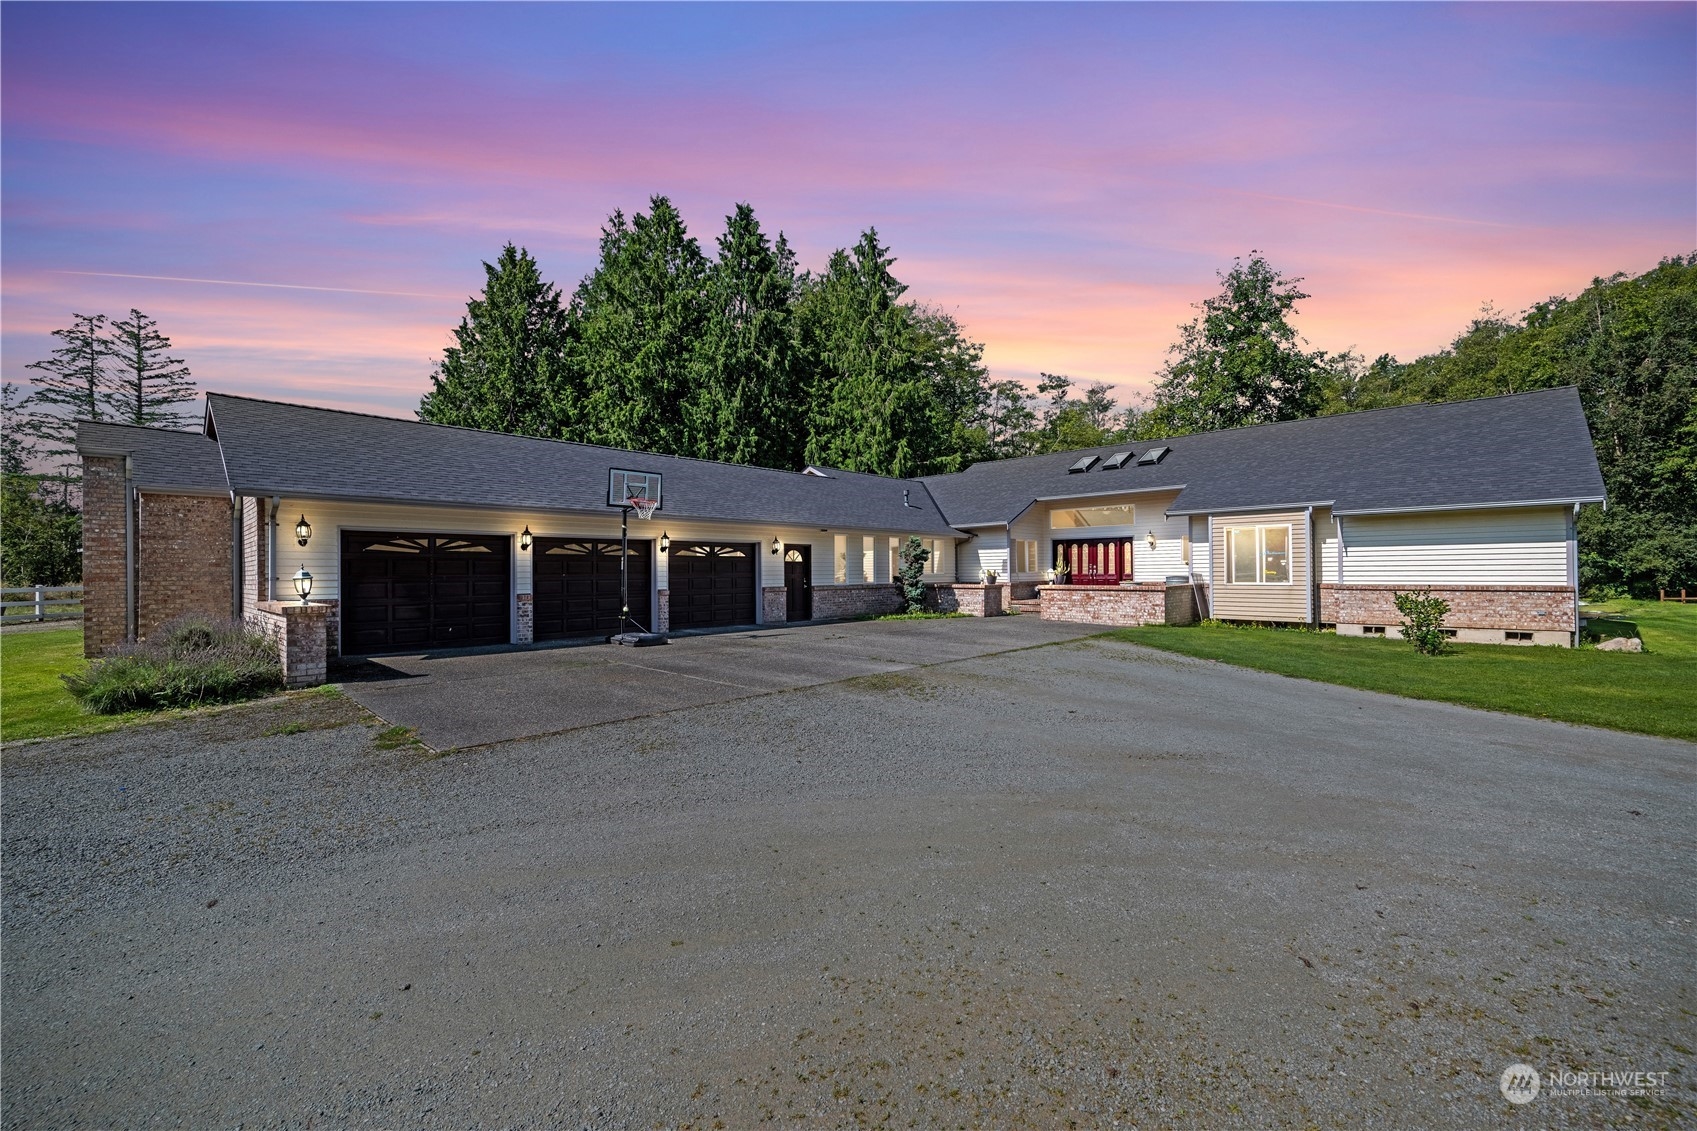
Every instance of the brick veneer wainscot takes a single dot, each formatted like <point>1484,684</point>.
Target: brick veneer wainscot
<point>774,604</point>
<point>838,602</point>
<point>1121,605</point>
<point>1544,608</point>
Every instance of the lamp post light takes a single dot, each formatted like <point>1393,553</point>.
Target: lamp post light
<point>303,583</point>
<point>303,530</point>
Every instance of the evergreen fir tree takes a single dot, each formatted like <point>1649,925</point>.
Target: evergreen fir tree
<point>869,407</point>
<point>637,323</point>
<point>76,383</point>
<point>148,384</point>
<point>17,447</point>
<point>743,408</point>
<point>507,371</point>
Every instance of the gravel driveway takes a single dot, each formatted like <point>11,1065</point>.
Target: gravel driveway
<point>1084,884</point>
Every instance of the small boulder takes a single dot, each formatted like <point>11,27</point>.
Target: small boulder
<point>1622,644</point>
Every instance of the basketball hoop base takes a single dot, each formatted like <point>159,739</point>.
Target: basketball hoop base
<point>639,639</point>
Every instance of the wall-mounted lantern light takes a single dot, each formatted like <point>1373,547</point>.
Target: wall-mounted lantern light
<point>303,583</point>
<point>1151,538</point>
<point>665,541</point>
<point>775,545</point>
<point>525,539</point>
<point>303,530</point>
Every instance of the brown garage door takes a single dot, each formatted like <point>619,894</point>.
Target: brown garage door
<point>577,586</point>
<point>711,584</point>
<point>409,592</point>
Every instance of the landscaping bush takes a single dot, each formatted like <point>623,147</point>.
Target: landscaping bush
<point>912,573</point>
<point>188,661</point>
<point>1423,621</point>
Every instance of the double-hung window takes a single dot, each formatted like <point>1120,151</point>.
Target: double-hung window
<point>1258,555</point>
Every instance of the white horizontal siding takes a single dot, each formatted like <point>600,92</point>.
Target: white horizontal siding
<point>322,555</point>
<point>1326,535</point>
<point>987,551</point>
<point>1031,527</point>
<point>1525,546</point>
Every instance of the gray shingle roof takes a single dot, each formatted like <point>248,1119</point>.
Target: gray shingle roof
<point>160,458</point>
<point>1524,447</point>
<point>271,448</point>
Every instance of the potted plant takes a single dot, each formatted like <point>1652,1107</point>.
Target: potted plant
<point>989,577</point>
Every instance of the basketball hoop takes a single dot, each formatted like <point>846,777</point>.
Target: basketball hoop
<point>643,506</point>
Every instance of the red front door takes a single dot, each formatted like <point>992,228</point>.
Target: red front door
<point>1099,562</point>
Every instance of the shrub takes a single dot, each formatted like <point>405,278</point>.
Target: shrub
<point>1423,621</point>
<point>188,661</point>
<point>912,572</point>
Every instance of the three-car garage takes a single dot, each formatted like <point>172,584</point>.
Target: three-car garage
<point>413,592</point>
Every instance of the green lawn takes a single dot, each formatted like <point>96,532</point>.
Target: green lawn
<point>1654,692</point>
<point>33,700</point>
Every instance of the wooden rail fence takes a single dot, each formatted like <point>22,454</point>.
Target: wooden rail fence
<point>39,603</point>
<point>1682,598</point>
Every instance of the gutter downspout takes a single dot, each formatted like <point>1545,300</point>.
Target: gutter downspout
<point>1202,612</point>
<point>1573,565</point>
<point>1313,582</point>
<point>271,555</point>
<point>129,550</point>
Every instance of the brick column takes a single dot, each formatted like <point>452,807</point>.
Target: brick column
<point>301,633</point>
<point>527,618</point>
<point>103,490</point>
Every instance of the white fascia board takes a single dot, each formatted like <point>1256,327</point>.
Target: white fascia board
<point>939,531</point>
<point>1105,494</point>
<point>1258,509</point>
<point>1517,503</point>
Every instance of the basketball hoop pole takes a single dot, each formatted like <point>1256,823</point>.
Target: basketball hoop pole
<point>624,569</point>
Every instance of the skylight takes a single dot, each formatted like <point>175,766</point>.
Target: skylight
<point>1153,455</point>
<point>1084,464</point>
<point>1116,461</point>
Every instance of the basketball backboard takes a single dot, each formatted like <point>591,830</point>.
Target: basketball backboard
<point>624,484</point>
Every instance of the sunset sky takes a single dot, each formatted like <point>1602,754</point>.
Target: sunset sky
<point>302,194</point>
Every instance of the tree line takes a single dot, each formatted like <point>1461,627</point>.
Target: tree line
<point>117,370</point>
<point>740,356</point>
<point>1628,343</point>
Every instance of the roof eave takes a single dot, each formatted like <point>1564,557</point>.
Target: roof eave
<point>1564,501</point>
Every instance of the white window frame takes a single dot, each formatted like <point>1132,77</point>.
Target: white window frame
<point>934,563</point>
<point>1130,510</point>
<point>1260,554</point>
<point>1025,555</point>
